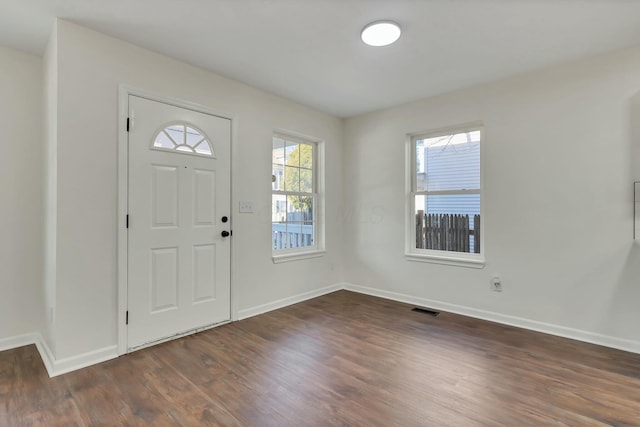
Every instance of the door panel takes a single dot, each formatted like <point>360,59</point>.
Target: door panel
<point>204,204</point>
<point>164,193</point>
<point>179,188</point>
<point>164,279</point>
<point>204,269</point>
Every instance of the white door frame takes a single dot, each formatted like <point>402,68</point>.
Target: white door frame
<point>124,91</point>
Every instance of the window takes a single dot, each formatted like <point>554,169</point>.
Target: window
<point>446,195</point>
<point>294,198</point>
<point>183,138</point>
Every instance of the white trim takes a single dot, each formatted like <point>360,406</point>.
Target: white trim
<point>264,308</point>
<point>31,339</point>
<point>57,367</point>
<point>445,192</point>
<point>232,213</point>
<point>45,354</point>
<point>293,136</point>
<point>122,210</point>
<point>124,91</point>
<point>461,128</point>
<point>520,322</point>
<point>17,341</point>
<point>294,256</point>
<point>446,260</point>
<point>83,360</point>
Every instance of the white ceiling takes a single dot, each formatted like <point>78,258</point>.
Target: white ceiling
<point>309,50</point>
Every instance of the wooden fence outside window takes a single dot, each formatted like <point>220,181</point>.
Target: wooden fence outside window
<point>447,232</point>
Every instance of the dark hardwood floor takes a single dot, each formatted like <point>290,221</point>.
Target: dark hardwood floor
<point>341,359</point>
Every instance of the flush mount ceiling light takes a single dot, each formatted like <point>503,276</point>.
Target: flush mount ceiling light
<point>381,33</point>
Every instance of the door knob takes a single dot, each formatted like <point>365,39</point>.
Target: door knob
<point>225,233</point>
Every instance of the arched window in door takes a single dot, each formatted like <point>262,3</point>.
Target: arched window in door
<point>183,138</point>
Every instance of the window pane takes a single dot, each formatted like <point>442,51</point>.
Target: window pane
<point>450,162</point>
<point>163,141</point>
<point>306,181</point>
<point>292,154</point>
<point>307,234</point>
<point>420,203</point>
<point>299,234</point>
<point>278,208</point>
<point>448,222</point>
<point>176,133</point>
<point>306,156</point>
<point>292,179</point>
<point>278,151</point>
<point>203,148</point>
<point>277,177</point>
<point>300,208</point>
<point>292,222</point>
<point>279,235</point>
<point>294,234</point>
<point>420,156</point>
<point>467,204</point>
<point>193,137</point>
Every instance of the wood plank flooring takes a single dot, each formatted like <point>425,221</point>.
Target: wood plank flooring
<point>342,359</point>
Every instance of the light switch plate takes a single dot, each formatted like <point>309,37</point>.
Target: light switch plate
<point>246,207</point>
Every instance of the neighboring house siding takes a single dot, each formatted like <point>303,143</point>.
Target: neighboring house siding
<point>452,167</point>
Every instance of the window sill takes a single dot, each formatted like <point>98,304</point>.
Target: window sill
<point>446,260</point>
<point>277,259</point>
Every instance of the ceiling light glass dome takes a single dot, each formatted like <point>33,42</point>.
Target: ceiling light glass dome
<point>381,33</point>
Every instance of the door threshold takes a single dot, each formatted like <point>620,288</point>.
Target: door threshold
<point>176,336</point>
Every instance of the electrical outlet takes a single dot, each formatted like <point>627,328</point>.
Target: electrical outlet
<point>496,284</point>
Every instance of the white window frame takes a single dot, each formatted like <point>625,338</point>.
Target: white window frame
<point>317,250</point>
<point>430,255</point>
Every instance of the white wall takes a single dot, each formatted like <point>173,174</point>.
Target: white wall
<point>90,68</point>
<point>20,193</point>
<point>558,198</point>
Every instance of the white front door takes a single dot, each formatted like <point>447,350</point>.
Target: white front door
<point>179,259</point>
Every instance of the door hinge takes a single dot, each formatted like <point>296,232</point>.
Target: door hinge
<point>127,221</point>
<point>127,124</point>
<point>126,320</point>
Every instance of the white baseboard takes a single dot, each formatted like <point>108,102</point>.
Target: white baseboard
<point>520,322</point>
<point>17,341</point>
<point>46,355</point>
<point>68,364</point>
<point>57,367</point>
<point>264,308</point>
<point>28,339</point>
<point>62,366</point>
